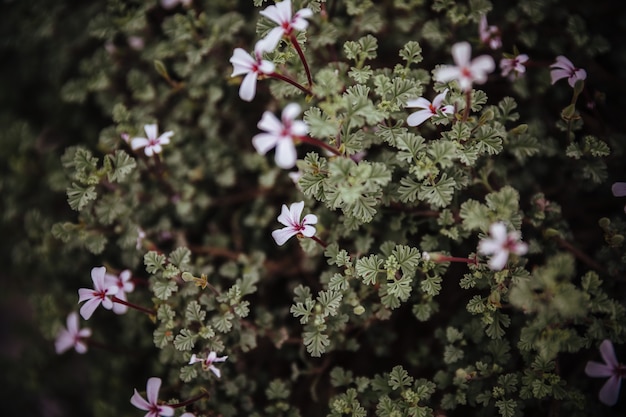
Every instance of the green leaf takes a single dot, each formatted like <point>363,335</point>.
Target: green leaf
<point>194,312</point>
<point>438,194</point>
<point>399,378</point>
<point>78,196</point>
<point>185,340</point>
<point>320,124</point>
<point>119,166</point>
<point>316,342</point>
<point>163,289</point>
<point>153,261</point>
<point>411,53</point>
<point>303,310</point>
<point>180,257</point>
<point>368,269</point>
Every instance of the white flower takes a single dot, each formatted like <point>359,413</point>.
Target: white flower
<point>290,217</point>
<point>280,134</point>
<point>125,285</point>
<point>151,144</point>
<point>280,13</point>
<point>489,34</point>
<point>515,65</point>
<point>465,71</point>
<point>151,405</point>
<point>72,336</point>
<point>207,363</point>
<point>99,295</point>
<point>252,66</point>
<point>428,109</point>
<point>500,245</point>
<point>170,4</point>
<point>563,68</point>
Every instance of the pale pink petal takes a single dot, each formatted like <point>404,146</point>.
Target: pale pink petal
<point>84,333</point>
<point>489,246</point>
<point>166,410</point>
<point>107,303</point>
<point>522,58</point>
<point>86,311</point>
<point>563,62</point>
<point>220,359</point>
<point>299,128</point>
<point>461,53</point>
<point>263,142</point>
<point>447,109</point>
<point>138,401</point>
<point>286,154</point>
<point>290,112</point>
<point>242,62</point>
<point>609,393</point>
<point>270,123</point>
<point>272,13</point>
<point>619,189</point>
<point>63,342</point>
<point>151,131</point>
<point>266,67</point>
<point>295,212</point>
<point>137,143</point>
<point>447,73</point>
<point>520,248</point>
<point>85,294</point>
<point>283,235</point>
<point>481,66</point>
<point>211,357</point>
<point>608,354</point>
<point>247,89</point>
<point>309,219</point>
<point>149,151</point>
<point>80,347</point>
<point>498,232</point>
<point>119,308</point>
<point>169,4</point>
<point>272,38</point>
<point>418,117</point>
<point>420,103</point>
<point>308,231</point>
<point>156,148</point>
<point>97,276</point>
<point>598,370</point>
<point>285,216</point>
<point>152,389</point>
<point>557,74</point>
<point>216,371</point>
<point>164,139</point>
<point>579,74</point>
<point>299,21</point>
<point>498,260</point>
<point>72,323</point>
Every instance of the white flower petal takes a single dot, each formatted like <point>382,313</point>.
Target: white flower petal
<point>498,260</point>
<point>295,212</point>
<point>420,103</point>
<point>290,112</point>
<point>137,143</point>
<point>283,235</point>
<point>247,89</point>
<point>286,154</point>
<point>461,53</point>
<point>418,117</point>
<point>270,124</point>
<point>151,131</point>
<point>446,73</point>
<point>263,142</point>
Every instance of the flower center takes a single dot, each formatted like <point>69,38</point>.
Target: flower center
<point>432,109</point>
<point>465,72</point>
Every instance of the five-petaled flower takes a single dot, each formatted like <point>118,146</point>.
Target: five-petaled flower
<point>500,245</point>
<point>563,68</point>
<point>514,65</point>
<point>152,144</point>
<point>489,35</point>
<point>152,393</point>
<point>466,71</point>
<point>251,65</point>
<point>428,109</point>
<point>72,336</point>
<point>99,295</point>
<point>280,134</point>
<point>281,14</point>
<point>611,368</point>
<point>207,363</point>
<point>125,285</point>
<point>619,190</point>
<point>290,217</point>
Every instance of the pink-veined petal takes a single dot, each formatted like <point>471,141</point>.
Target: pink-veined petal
<point>619,189</point>
<point>309,219</point>
<point>308,231</point>
<point>557,74</point>
<point>270,123</point>
<point>283,235</point>
<point>286,154</point>
<point>266,67</point>
<point>285,216</point>
<point>418,117</point>
<point>216,371</point>
<point>598,370</point>
<point>272,38</point>
<point>152,389</point>
<point>156,148</point>
<point>446,73</point>
<point>247,89</point>
<point>420,103</point>
<point>138,401</point>
<point>107,303</point>
<point>137,143</point>
<point>290,112</point>
<point>522,58</point>
<point>447,109</point>
<point>609,393</point>
<point>242,62</point>
<point>263,142</point>
<point>299,21</point>
<point>220,359</point>
<point>151,131</point>
<point>126,278</point>
<point>461,53</point>
<point>439,98</point>
<point>84,333</point>
<point>608,354</point>
<point>295,212</point>
<point>166,410</point>
<point>498,260</point>
<point>149,151</point>
<point>85,294</point>
<point>563,62</point>
<point>86,311</point>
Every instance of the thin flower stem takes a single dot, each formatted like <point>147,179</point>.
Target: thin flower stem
<point>135,306</point>
<point>191,400</point>
<point>296,45</point>
<point>468,105</point>
<point>317,142</point>
<point>292,82</point>
<point>320,241</point>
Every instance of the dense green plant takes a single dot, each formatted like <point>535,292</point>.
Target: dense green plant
<point>469,261</point>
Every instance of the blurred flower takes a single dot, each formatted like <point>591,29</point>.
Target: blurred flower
<point>207,363</point>
<point>515,65</point>
<point>151,406</point>
<point>99,295</point>
<point>428,109</point>
<point>280,13</point>
<point>290,217</point>
<point>280,134</point>
<point>141,235</point>
<point>170,4</point>
<point>609,393</point>
<point>465,71</point>
<point>124,283</point>
<point>151,144</point>
<point>136,42</point>
<point>500,245</point>
<point>72,336</point>
<point>252,66</point>
<point>563,68</point>
<point>619,190</point>
<point>489,35</point>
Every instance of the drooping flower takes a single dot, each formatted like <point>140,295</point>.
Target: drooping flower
<point>428,109</point>
<point>152,143</point>
<point>280,134</point>
<point>251,65</point>
<point>72,336</point>
<point>466,71</point>
<point>514,65</point>
<point>611,368</point>
<point>151,406</point>
<point>563,68</point>
<point>290,217</point>
<point>619,190</point>
<point>489,35</point>
<point>500,245</point>
<point>99,295</point>
<point>281,14</point>
<point>125,285</point>
<point>207,363</point>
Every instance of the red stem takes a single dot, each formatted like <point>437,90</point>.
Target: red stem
<point>319,143</point>
<point>320,241</point>
<point>290,81</point>
<point>296,45</point>
<point>135,306</point>
<point>190,401</point>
